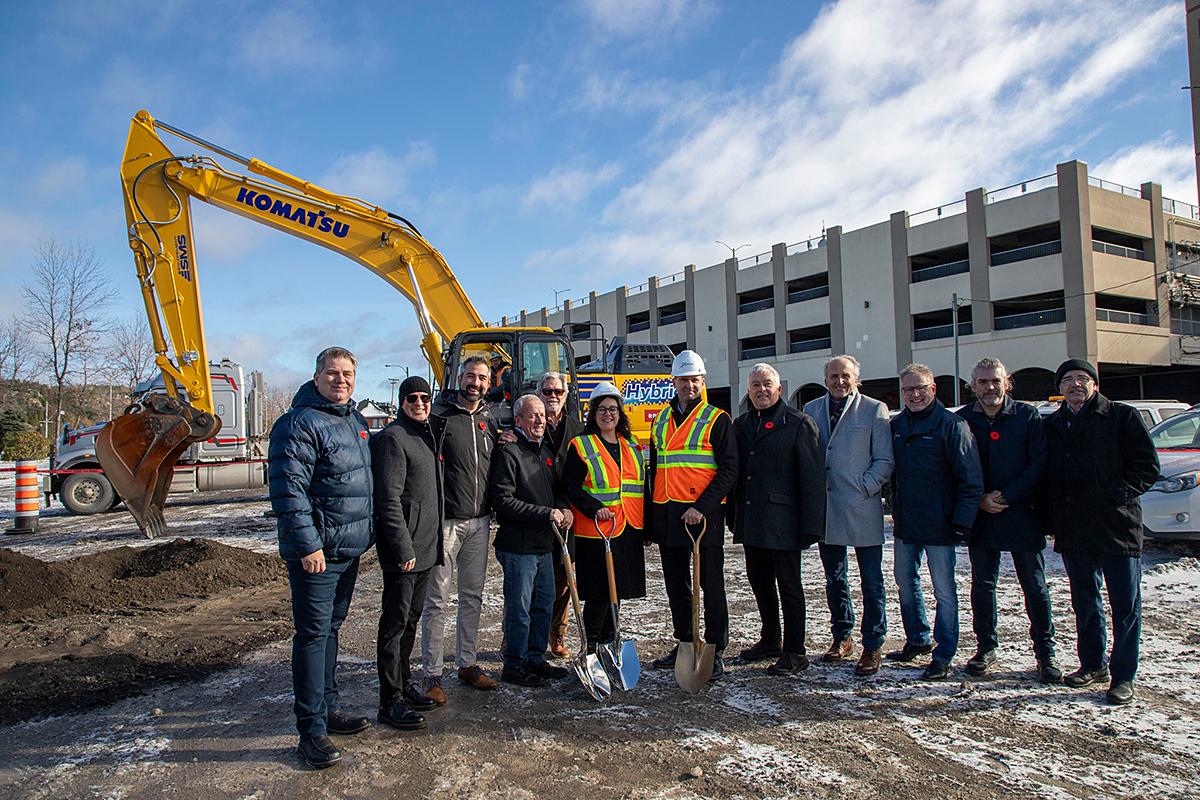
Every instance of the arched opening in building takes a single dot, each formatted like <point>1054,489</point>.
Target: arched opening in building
<point>945,391</point>
<point>1033,383</point>
<point>807,392</point>
<point>886,390</point>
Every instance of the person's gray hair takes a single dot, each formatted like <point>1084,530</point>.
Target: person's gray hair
<point>546,376</point>
<point>765,368</point>
<point>849,359</point>
<point>333,352</point>
<point>518,406</point>
<point>473,360</point>
<point>918,369</point>
<point>987,362</point>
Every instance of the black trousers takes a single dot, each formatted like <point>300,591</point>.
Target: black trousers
<point>766,569</point>
<point>598,621</point>
<point>1031,574</point>
<point>677,575</point>
<point>403,601</point>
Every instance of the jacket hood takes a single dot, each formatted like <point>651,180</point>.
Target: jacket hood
<point>307,396</point>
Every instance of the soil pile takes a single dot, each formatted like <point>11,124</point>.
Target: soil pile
<point>127,578</point>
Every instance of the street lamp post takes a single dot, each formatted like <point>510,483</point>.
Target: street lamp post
<point>557,292</point>
<point>732,250</point>
<point>955,302</point>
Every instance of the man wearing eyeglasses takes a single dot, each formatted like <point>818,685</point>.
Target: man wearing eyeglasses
<point>408,540</point>
<point>1099,461</point>
<point>561,428</point>
<point>936,488</point>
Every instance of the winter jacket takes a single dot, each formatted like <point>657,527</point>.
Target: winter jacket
<point>408,483</point>
<point>778,501</point>
<point>524,488</point>
<point>466,442</point>
<point>1012,453</point>
<point>1098,464</point>
<point>937,483</point>
<point>569,426</point>
<point>319,475</point>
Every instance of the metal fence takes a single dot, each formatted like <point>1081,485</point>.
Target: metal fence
<point>941,270</point>
<point>1030,319</point>
<point>1026,253</point>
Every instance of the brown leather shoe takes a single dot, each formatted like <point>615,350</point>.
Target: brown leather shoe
<point>838,650</point>
<point>435,692</point>
<point>868,663</point>
<point>476,678</point>
<point>558,645</point>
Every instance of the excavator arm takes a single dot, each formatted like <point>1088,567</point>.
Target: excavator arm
<point>138,450</point>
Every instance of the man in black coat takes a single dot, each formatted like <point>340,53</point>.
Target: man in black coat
<point>530,507</point>
<point>777,509</point>
<point>684,494</point>
<point>408,540</point>
<point>1012,451</point>
<point>1099,461</point>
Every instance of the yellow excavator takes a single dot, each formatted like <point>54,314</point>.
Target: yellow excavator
<point>139,449</point>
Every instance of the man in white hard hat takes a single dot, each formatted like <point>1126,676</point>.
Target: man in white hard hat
<point>693,466</point>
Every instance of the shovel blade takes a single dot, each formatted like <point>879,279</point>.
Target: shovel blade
<point>592,675</point>
<point>692,673</point>
<point>620,660</point>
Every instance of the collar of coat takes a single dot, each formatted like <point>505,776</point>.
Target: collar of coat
<point>976,410</point>
<point>1097,406</point>
<point>908,423</point>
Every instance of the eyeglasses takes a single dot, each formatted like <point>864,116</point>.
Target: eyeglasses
<point>1082,380</point>
<point>918,389</point>
<point>416,398</point>
<point>608,411</point>
<point>554,392</point>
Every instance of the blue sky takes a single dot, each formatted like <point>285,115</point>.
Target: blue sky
<point>572,145</point>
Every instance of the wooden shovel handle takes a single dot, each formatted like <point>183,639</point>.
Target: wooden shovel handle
<point>612,575</point>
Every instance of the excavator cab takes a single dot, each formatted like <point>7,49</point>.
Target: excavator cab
<point>518,359</point>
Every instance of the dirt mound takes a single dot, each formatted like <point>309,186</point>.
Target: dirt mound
<point>127,578</point>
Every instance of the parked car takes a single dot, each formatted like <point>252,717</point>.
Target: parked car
<point>1180,432</point>
<point>1171,509</point>
<point>1152,412</point>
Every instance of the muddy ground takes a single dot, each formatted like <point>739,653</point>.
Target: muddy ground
<point>825,733</point>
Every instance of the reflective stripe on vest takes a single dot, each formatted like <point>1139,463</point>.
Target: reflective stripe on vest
<point>684,460</point>
<point>618,487</point>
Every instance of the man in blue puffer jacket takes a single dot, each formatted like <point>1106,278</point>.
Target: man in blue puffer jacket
<point>320,482</point>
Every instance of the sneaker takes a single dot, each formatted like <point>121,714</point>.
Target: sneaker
<point>340,723</point>
<point>521,677</point>
<point>318,752</point>
<point>789,664</point>
<point>476,678</point>
<point>838,650</point>
<point>936,671</point>
<point>909,652</point>
<point>868,663</point>
<point>667,661</point>
<point>418,701</point>
<point>761,651</point>
<point>1085,677</point>
<point>1120,693</point>
<point>547,671</point>
<point>981,662</point>
<point>401,717</point>
<point>1048,672</point>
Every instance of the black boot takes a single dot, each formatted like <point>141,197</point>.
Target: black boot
<point>668,661</point>
<point>318,751</point>
<point>401,717</point>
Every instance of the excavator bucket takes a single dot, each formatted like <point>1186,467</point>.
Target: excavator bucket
<point>138,451</point>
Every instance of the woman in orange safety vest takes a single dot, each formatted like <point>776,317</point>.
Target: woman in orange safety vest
<point>603,478</point>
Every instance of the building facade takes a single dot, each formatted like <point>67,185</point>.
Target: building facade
<point>1064,265</point>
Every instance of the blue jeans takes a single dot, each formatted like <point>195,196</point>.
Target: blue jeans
<point>1123,577</point>
<point>528,601</point>
<point>835,559</point>
<point>941,560</point>
<point>1031,574</point>
<point>319,606</point>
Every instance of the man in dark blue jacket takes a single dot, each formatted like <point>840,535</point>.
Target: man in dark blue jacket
<point>936,489</point>
<point>1012,451</point>
<point>320,483</point>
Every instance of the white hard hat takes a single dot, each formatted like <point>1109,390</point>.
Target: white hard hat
<point>605,389</point>
<point>686,364</point>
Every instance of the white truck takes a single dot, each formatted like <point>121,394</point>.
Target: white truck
<point>235,458</point>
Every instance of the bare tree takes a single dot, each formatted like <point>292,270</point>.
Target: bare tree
<point>62,307</point>
<point>129,350</point>
<point>16,351</point>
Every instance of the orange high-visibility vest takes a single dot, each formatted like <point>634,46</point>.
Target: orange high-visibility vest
<point>684,460</point>
<point>617,486</point>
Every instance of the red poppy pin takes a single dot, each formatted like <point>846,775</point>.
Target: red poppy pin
<point>995,436</point>
<point>549,462</point>
<point>769,425</point>
<point>483,426</point>
<point>362,434</point>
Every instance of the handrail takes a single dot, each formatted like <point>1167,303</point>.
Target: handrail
<point>941,270</point>
<point>1118,250</point>
<point>754,260</point>
<point>1030,318</point>
<point>813,242</point>
<point>1024,187</point>
<point>1113,186</point>
<point>1126,317</point>
<point>938,212</point>
<point>800,295</point>
<point>1180,208</point>
<point>1027,252</point>
<point>807,345</point>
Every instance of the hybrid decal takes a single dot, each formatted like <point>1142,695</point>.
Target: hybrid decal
<point>296,213</point>
<point>183,259</point>
<point>654,391</point>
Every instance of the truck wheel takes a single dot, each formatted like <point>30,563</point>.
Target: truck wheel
<point>87,493</point>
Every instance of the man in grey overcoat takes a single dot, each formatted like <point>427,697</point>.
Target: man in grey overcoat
<point>857,441</point>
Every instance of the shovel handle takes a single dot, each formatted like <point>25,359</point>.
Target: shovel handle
<point>569,571</point>
<point>697,645</point>
<point>612,576</point>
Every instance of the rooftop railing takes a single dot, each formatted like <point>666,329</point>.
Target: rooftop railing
<point>813,243</point>
<point>1111,186</point>
<point>754,260</point>
<point>938,212</point>
<point>1018,189</point>
<point>1180,208</point>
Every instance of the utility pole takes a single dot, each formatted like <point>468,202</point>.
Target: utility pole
<point>1192,10</point>
<point>557,292</point>
<point>954,326</point>
<point>732,250</point>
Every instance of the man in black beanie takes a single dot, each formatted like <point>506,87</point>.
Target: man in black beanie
<point>1099,460</point>
<point>408,531</point>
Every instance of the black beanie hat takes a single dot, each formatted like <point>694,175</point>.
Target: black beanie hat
<point>1075,363</point>
<point>413,384</point>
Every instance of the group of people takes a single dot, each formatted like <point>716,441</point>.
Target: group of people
<point>992,476</point>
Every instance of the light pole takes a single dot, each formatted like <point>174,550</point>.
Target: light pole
<point>732,250</point>
<point>393,382</point>
<point>557,292</point>
<point>954,304</point>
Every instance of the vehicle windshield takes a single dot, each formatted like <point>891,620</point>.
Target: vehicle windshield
<point>1177,433</point>
<point>539,356</point>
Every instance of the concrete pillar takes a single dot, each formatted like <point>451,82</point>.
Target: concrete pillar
<point>689,304</point>
<point>566,318</point>
<point>594,333</point>
<point>901,278</point>
<point>733,351</point>
<point>1156,251</point>
<point>524,318</point>
<point>979,252</point>
<point>504,322</point>
<point>544,317</point>
<point>1079,281</point>
<point>779,291</point>
<point>622,312</point>
<point>652,284</point>
<point>837,311</point>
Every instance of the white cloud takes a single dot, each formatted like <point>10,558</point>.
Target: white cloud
<point>568,186</point>
<point>294,37</point>
<point>645,19</point>
<point>377,175</point>
<point>1165,160</point>
<point>68,176</point>
<point>878,106</point>
<point>518,81</point>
